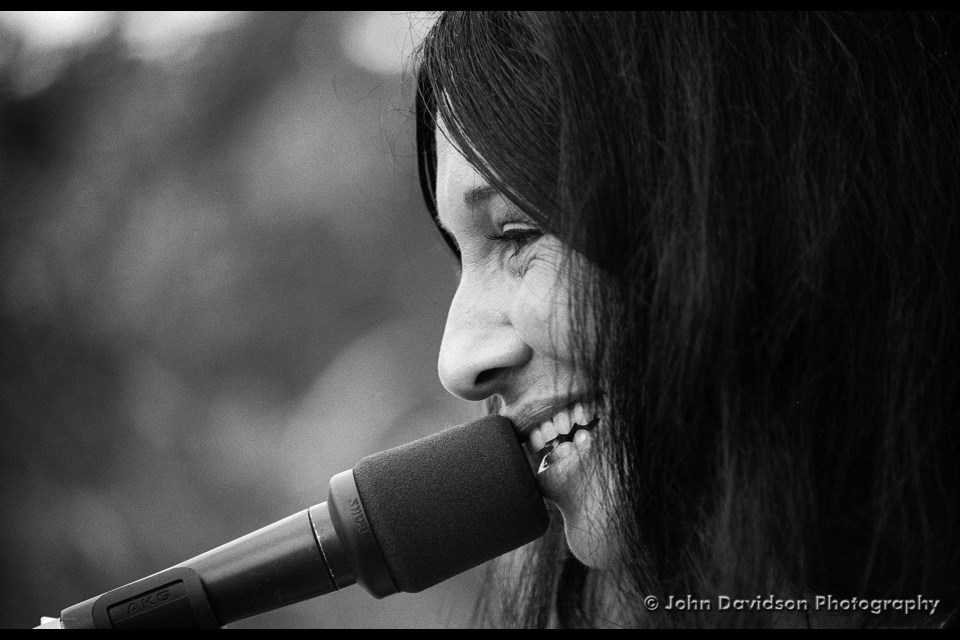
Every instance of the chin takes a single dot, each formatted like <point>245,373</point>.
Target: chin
<point>589,534</point>
<point>576,483</point>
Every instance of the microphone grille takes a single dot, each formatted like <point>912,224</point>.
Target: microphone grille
<point>448,502</point>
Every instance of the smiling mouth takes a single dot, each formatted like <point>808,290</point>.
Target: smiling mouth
<point>544,454</point>
<point>560,428</point>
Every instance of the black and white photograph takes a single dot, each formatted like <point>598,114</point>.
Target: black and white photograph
<point>479,319</point>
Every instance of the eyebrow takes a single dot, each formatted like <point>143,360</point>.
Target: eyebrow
<point>479,195</point>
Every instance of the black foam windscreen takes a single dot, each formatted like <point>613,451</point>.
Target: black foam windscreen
<point>443,504</point>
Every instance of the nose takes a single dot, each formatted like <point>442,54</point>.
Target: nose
<point>481,348</point>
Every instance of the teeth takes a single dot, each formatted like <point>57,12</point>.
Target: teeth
<point>549,431</point>
<point>580,415</point>
<point>536,440</point>
<point>562,423</point>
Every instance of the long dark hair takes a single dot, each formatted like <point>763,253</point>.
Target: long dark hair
<point>772,200</point>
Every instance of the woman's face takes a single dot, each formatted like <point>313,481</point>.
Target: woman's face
<point>508,336</point>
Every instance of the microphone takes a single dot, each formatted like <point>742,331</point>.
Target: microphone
<point>401,520</point>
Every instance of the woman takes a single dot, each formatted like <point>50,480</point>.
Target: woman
<point>719,253</point>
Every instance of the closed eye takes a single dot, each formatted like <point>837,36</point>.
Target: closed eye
<point>518,237</point>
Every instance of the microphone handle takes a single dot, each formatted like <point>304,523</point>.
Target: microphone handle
<point>272,567</point>
<point>318,550</point>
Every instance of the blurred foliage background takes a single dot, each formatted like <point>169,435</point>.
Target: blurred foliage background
<point>218,287</point>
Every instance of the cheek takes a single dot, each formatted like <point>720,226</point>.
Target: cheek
<point>541,311</point>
